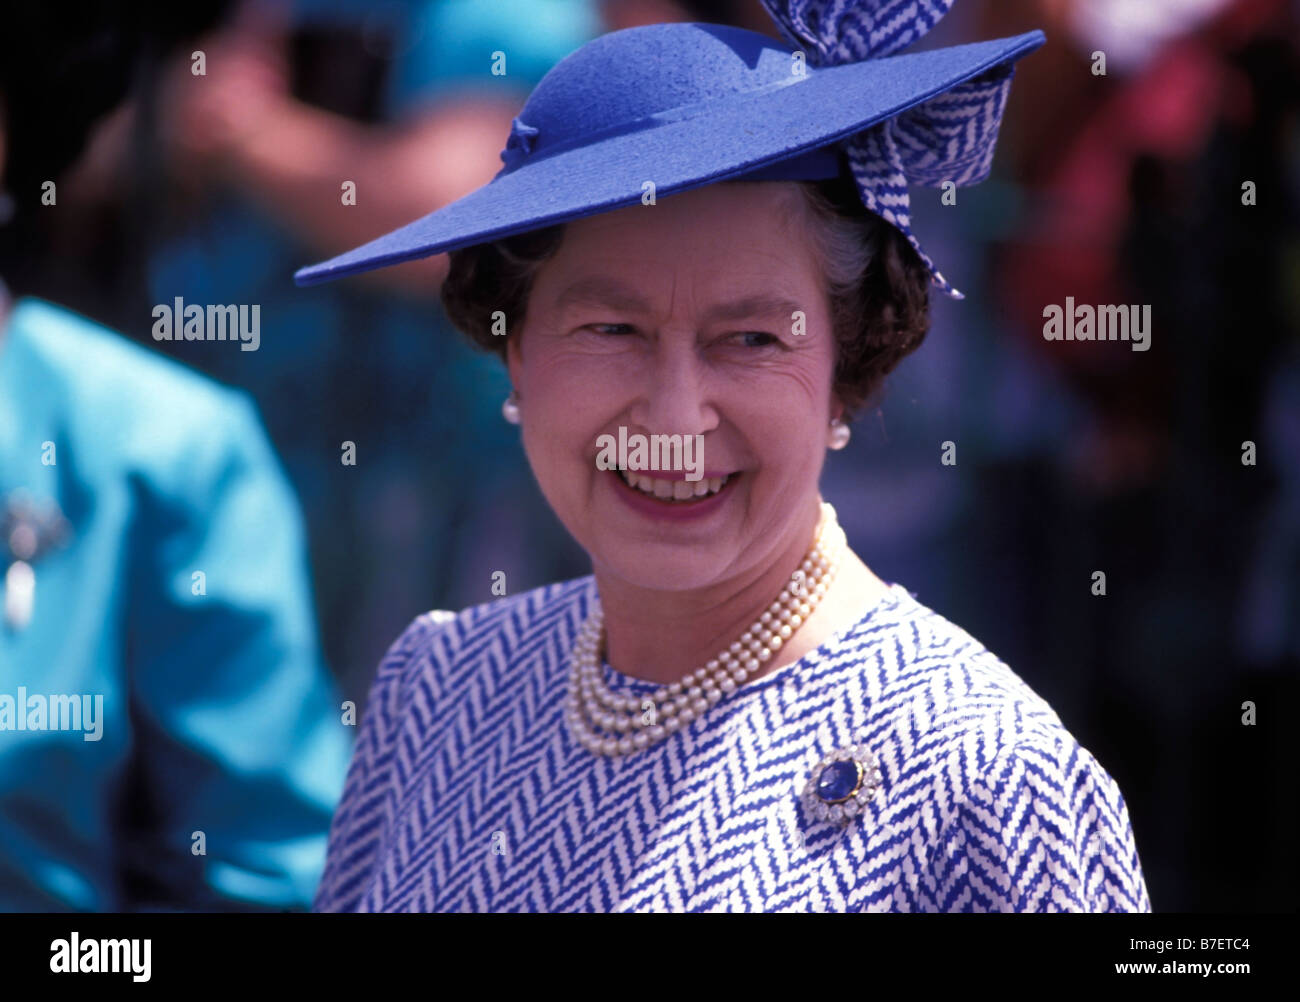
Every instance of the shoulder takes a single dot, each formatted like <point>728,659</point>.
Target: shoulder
<point>501,635</point>
<point>941,681</point>
<point>514,619</point>
<point>121,406</point>
<point>1026,818</point>
<point>104,367</point>
<point>1043,828</point>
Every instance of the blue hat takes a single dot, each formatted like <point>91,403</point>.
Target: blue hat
<point>685,105</point>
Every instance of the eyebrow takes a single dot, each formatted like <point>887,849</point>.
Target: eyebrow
<point>608,292</point>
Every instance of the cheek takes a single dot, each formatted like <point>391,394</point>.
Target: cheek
<point>573,402</point>
<point>568,403</point>
<point>786,415</point>
<point>587,379</point>
<point>787,446</point>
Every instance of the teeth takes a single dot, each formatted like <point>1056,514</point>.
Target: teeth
<point>673,490</point>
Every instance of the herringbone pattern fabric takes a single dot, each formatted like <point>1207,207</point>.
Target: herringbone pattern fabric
<point>950,137</point>
<point>467,793</point>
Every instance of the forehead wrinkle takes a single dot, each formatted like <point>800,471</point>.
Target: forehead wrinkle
<point>599,290</point>
<point>762,279</point>
<point>602,290</point>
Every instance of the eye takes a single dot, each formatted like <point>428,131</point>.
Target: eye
<point>606,329</point>
<point>755,339</point>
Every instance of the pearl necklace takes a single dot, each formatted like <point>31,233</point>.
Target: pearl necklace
<point>591,708</point>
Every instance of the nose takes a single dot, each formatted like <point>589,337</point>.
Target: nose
<point>674,393</point>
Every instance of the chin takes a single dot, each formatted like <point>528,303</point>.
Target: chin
<point>659,567</point>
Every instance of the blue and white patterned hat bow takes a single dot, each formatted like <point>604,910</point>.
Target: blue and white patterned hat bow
<point>947,138</point>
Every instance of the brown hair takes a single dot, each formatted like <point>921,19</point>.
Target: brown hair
<point>877,285</point>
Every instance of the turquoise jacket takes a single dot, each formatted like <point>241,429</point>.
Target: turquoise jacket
<point>179,602</point>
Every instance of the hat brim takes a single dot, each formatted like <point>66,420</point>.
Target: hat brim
<point>825,106</point>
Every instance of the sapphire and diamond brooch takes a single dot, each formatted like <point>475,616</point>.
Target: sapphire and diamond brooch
<point>841,784</point>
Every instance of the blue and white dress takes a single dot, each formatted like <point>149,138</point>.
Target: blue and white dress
<point>467,792</point>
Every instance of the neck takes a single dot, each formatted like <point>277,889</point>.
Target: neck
<point>659,636</point>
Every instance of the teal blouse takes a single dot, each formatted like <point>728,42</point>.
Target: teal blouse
<point>220,751</point>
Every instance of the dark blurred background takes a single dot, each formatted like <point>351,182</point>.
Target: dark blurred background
<point>1071,457</point>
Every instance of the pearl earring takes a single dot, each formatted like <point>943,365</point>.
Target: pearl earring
<point>839,435</point>
<point>510,409</point>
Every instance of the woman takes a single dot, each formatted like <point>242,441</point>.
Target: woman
<point>733,711</point>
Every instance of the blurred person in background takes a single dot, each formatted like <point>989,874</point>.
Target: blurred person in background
<point>169,736</point>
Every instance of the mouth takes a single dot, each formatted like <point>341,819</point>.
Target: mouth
<point>676,493</point>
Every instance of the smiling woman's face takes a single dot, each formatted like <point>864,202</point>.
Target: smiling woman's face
<point>627,326</point>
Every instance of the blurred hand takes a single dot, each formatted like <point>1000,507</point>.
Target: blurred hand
<point>207,122</point>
